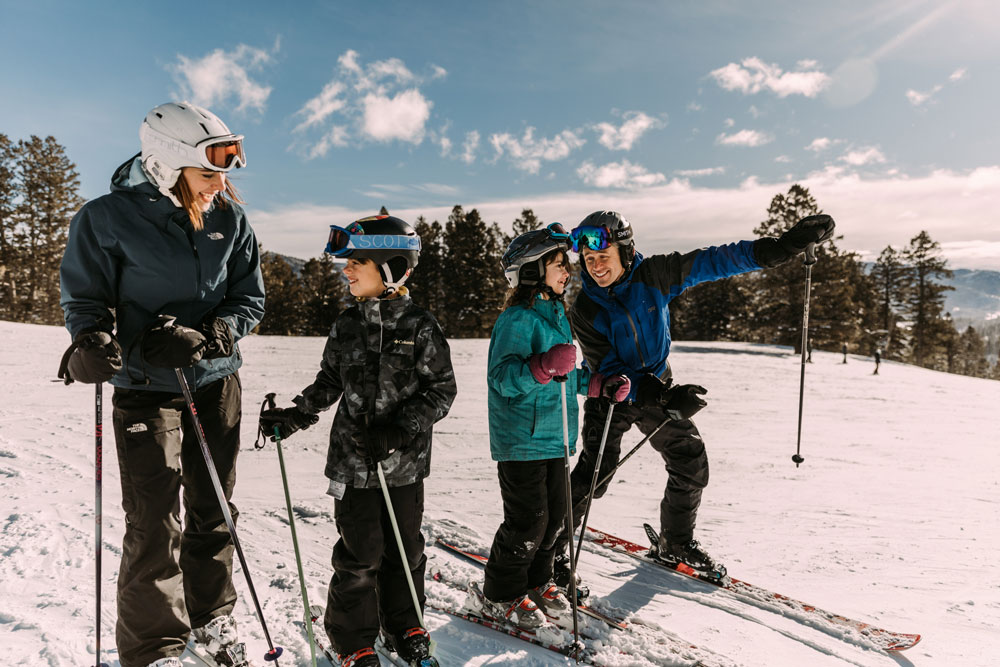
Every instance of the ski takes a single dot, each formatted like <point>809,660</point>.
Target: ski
<point>757,596</point>
<point>319,633</point>
<point>480,560</point>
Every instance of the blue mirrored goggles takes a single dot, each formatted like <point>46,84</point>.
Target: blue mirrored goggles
<point>594,238</point>
<point>344,241</point>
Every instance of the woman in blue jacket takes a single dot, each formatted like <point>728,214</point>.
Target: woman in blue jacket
<point>531,344</point>
<point>164,273</point>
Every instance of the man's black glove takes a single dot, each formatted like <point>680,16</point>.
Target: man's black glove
<point>651,391</point>
<point>770,252</point>
<point>94,357</point>
<point>219,340</point>
<point>381,441</point>
<point>683,401</point>
<point>288,421</point>
<point>168,345</point>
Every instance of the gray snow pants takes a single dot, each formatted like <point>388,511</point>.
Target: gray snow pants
<point>172,580</point>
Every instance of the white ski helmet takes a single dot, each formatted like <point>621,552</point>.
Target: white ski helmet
<point>180,134</point>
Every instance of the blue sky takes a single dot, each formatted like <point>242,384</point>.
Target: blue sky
<point>685,116</point>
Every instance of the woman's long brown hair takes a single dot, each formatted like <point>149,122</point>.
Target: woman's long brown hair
<point>191,205</point>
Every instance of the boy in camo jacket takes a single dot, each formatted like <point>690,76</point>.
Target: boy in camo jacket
<point>390,364</point>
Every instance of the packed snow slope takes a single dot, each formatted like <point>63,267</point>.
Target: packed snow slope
<point>892,518</point>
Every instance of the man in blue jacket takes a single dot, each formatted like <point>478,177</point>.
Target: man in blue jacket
<point>622,323</point>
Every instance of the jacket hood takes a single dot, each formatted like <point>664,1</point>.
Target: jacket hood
<point>130,177</point>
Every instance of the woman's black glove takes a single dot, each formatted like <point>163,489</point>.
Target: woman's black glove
<point>219,340</point>
<point>169,345</point>
<point>770,252</point>
<point>288,421</point>
<point>94,357</point>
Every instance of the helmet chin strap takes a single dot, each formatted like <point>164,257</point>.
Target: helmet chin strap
<point>391,286</point>
<point>163,177</point>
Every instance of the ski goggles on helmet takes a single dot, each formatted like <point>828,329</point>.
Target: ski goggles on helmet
<point>344,241</point>
<point>222,153</point>
<point>594,238</point>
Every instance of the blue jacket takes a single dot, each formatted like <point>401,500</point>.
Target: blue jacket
<point>525,416</point>
<point>132,255</point>
<point>625,328</point>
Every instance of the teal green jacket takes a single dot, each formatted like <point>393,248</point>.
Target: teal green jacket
<point>526,416</point>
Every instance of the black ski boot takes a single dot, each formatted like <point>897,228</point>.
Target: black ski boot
<point>691,554</point>
<point>413,646</point>
<point>560,574</point>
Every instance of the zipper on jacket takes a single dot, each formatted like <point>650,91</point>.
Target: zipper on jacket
<point>635,333</point>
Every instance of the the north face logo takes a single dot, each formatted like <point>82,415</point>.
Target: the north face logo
<point>215,236</point>
<point>137,428</point>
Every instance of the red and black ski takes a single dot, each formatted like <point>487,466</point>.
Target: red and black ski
<point>761,597</point>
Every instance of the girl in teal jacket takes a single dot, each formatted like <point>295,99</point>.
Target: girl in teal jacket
<point>531,344</point>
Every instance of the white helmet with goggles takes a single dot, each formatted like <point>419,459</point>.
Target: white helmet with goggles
<point>181,134</point>
<point>391,243</point>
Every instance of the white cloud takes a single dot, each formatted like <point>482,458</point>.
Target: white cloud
<point>213,79</point>
<point>319,108</point>
<point>692,173</point>
<point>401,116</point>
<point>863,156</point>
<point>622,174</point>
<point>919,98</point>
<point>623,138</point>
<point>693,106</point>
<point>744,138</point>
<point>753,75</point>
<point>528,153</point>
<point>729,122</point>
<point>958,75</point>
<point>819,144</point>
<point>470,146</point>
<point>870,213</point>
<point>783,159</point>
<point>379,101</point>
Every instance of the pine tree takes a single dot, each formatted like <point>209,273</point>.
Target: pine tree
<point>324,295</point>
<point>8,249</point>
<point>925,301</point>
<point>778,303</point>
<point>476,286</point>
<point>286,297</point>
<point>428,282</point>
<point>972,355</point>
<point>892,281</point>
<point>47,198</point>
<point>527,222</point>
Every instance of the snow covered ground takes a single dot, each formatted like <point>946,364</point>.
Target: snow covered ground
<point>893,518</point>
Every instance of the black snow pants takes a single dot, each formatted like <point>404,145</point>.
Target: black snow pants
<point>678,443</point>
<point>368,589</point>
<point>172,580</point>
<point>534,514</point>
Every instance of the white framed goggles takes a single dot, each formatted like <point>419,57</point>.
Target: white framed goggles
<point>222,153</point>
<point>343,241</point>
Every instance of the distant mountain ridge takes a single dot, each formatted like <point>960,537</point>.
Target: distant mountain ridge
<point>976,296</point>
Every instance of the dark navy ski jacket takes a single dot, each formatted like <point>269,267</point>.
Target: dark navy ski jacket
<point>625,328</point>
<point>132,255</point>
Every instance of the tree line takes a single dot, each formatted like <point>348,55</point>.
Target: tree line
<point>896,306</point>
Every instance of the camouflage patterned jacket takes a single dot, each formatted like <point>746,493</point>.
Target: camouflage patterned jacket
<point>391,363</point>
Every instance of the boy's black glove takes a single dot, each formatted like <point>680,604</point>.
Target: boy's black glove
<point>288,421</point>
<point>168,345</point>
<point>683,401</point>
<point>219,340</point>
<point>382,440</point>
<point>94,357</point>
<point>770,252</point>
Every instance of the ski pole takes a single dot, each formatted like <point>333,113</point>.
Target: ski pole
<point>274,652</point>
<point>402,552</point>
<point>561,379</point>
<point>269,398</point>
<point>593,480</point>
<point>621,462</point>
<point>98,466</point>
<point>808,260</point>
